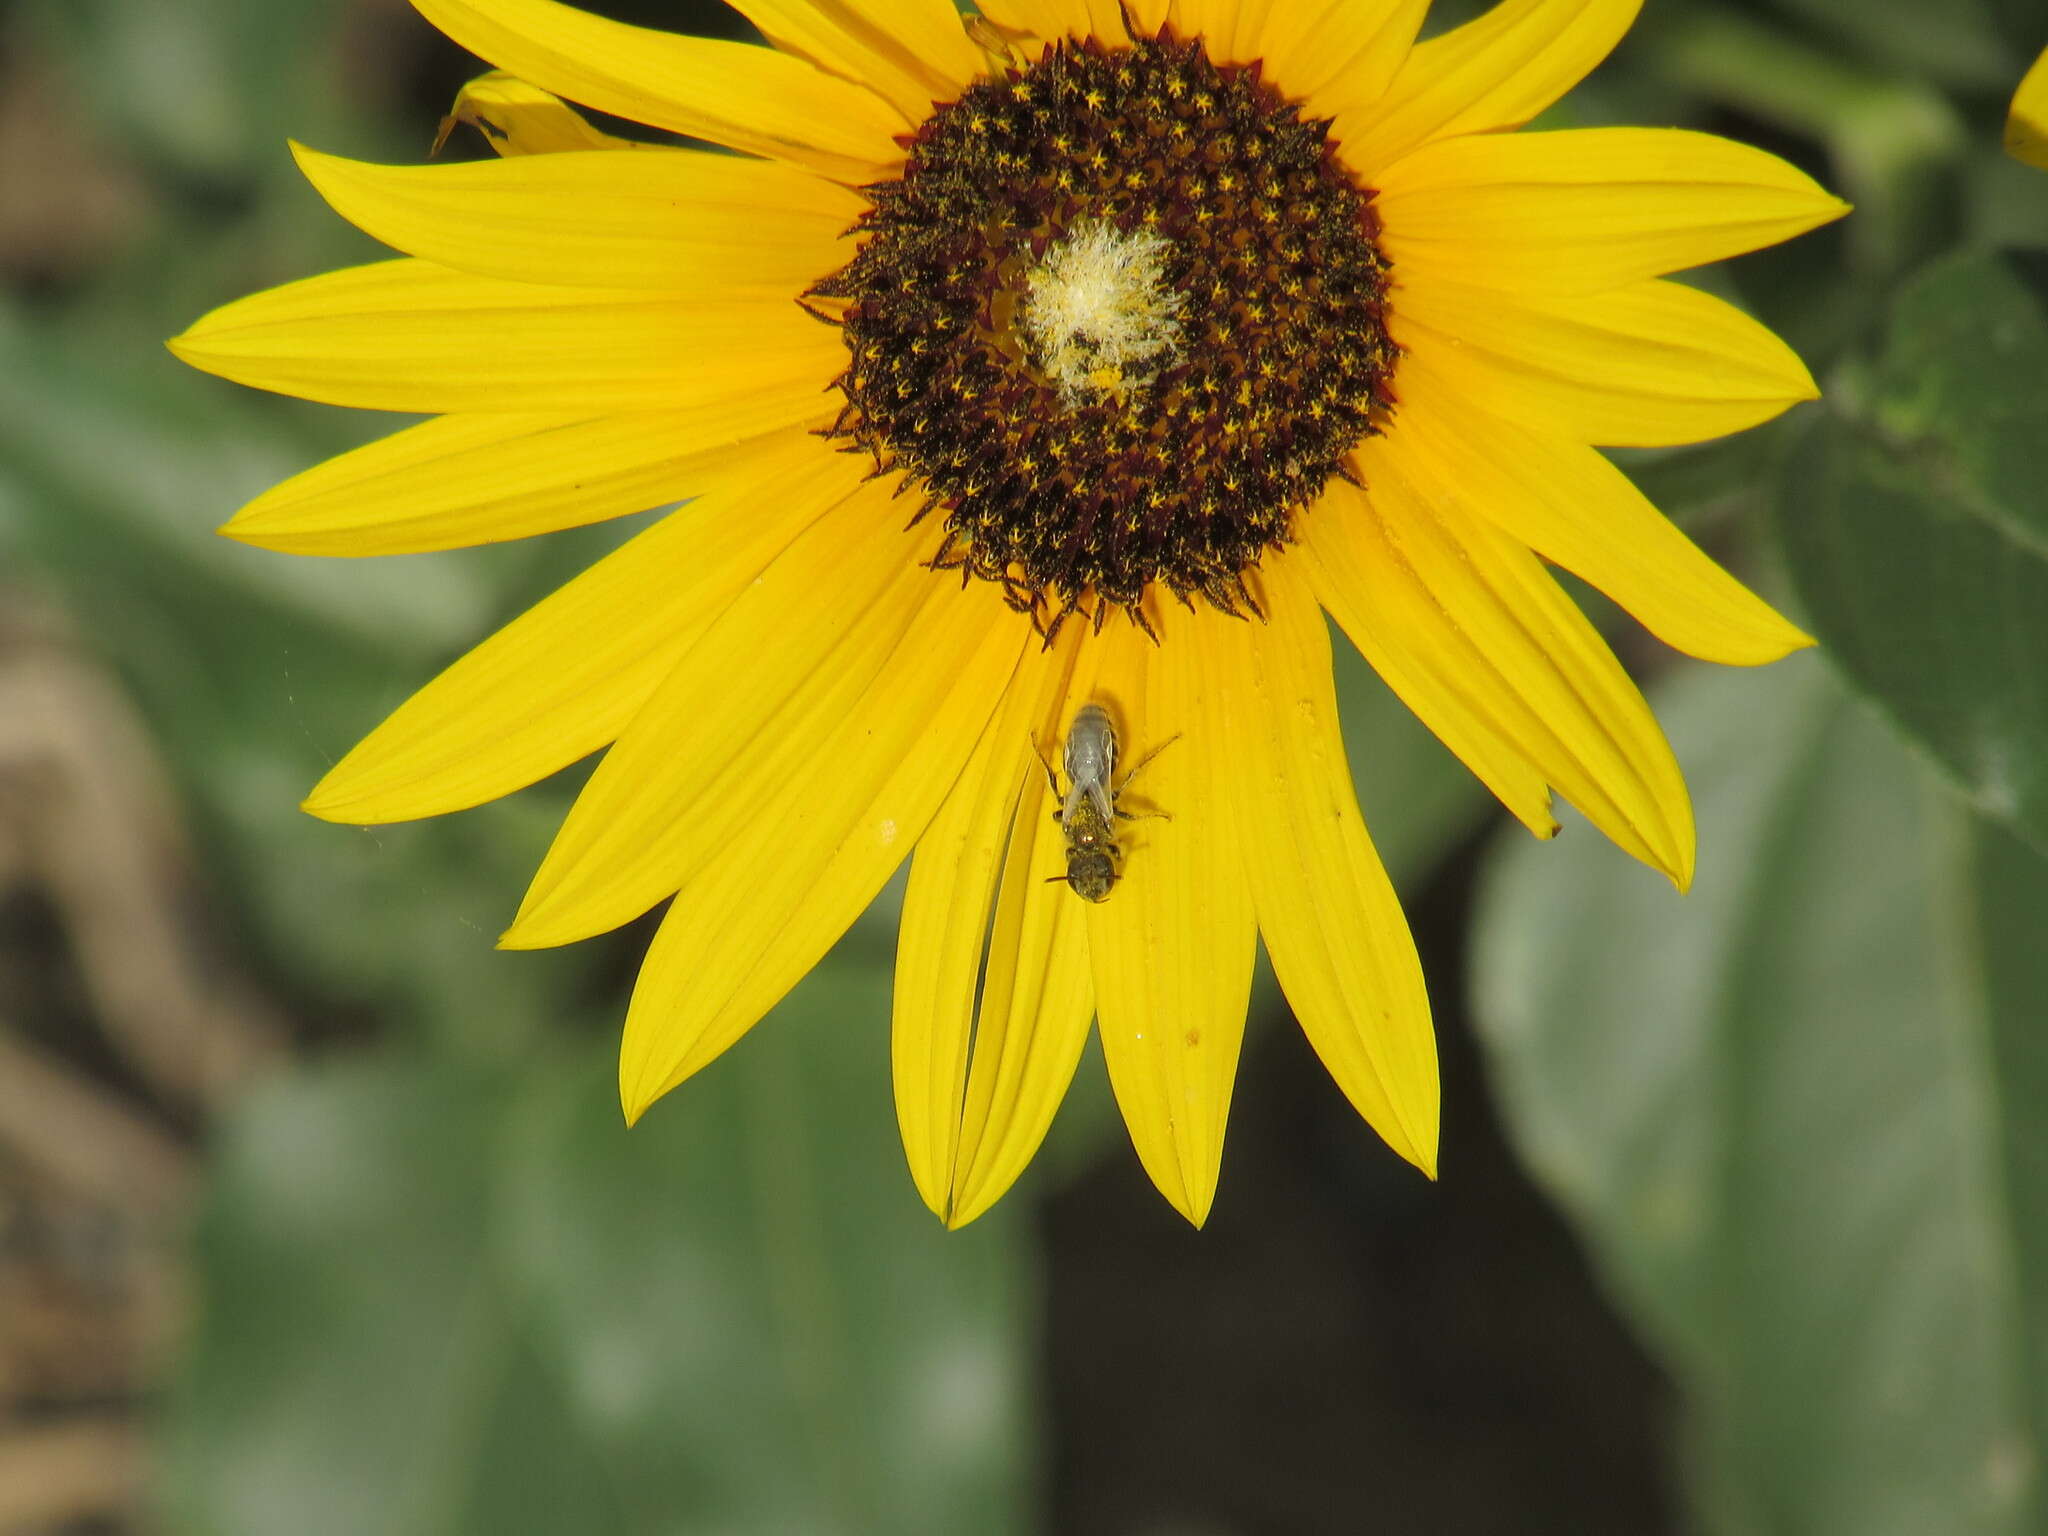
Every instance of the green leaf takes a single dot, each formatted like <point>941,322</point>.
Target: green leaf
<point>1796,1115</point>
<point>436,1302</point>
<point>1916,535</point>
<point>1959,389</point>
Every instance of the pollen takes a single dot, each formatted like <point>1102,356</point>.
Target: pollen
<point>1101,316</point>
<point>1117,322</point>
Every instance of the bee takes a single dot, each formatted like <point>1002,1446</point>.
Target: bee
<point>1088,811</point>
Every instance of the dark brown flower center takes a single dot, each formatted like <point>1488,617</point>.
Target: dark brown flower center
<point>1121,316</point>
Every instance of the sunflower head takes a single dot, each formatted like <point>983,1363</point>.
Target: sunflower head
<point>1119,318</point>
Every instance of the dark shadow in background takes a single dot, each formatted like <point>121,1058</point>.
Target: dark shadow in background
<point>1346,1347</point>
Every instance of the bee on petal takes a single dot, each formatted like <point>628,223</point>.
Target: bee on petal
<point>1088,809</point>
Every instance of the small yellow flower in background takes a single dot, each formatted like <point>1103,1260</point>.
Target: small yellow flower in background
<point>2026,123</point>
<point>1079,353</point>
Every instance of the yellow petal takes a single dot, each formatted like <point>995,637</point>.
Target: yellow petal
<point>944,929</point>
<point>519,119</point>
<point>412,336</point>
<point>1173,945</point>
<point>1332,925</point>
<point>914,52</point>
<point>1229,29</point>
<point>1051,19</point>
<point>1253,28</point>
<point>453,481</point>
<point>744,713</point>
<point>563,679</point>
<point>1646,365</point>
<point>686,222</point>
<point>1424,677</point>
<point>1041,18</point>
<point>1036,997</point>
<point>1577,510</point>
<point>2026,123</point>
<point>1496,72</point>
<point>817,850</point>
<point>1339,56</point>
<point>1582,209</point>
<point>1148,17</point>
<point>1494,626</point>
<point>736,94</point>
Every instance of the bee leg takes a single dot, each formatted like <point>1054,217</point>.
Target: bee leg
<point>1124,782</point>
<point>1051,779</point>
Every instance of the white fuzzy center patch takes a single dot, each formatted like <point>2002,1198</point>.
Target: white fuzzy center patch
<point>1102,318</point>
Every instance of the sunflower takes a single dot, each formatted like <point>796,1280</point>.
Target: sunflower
<point>1070,354</point>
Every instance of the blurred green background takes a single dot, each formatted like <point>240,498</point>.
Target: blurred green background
<point>316,1213</point>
